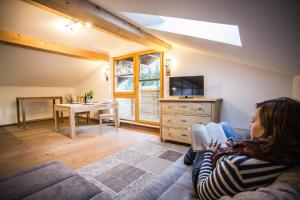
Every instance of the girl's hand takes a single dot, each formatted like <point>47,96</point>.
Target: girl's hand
<point>229,142</point>
<point>212,146</point>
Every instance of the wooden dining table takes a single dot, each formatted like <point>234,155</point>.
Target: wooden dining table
<point>71,109</point>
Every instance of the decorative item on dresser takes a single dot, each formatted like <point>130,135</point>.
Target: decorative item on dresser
<point>178,115</point>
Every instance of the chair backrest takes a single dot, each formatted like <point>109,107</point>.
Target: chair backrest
<point>111,107</point>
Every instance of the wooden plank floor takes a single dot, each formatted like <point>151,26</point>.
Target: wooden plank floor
<point>39,143</point>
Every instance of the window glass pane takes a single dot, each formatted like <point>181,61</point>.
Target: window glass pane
<point>126,108</point>
<point>124,67</point>
<point>124,83</point>
<point>124,75</point>
<point>149,66</point>
<point>149,85</point>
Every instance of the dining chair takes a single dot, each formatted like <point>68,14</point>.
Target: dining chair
<point>87,113</point>
<point>110,113</point>
<point>80,99</point>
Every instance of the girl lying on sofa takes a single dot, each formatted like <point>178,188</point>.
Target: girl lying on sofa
<point>249,164</point>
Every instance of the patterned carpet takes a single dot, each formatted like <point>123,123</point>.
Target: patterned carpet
<point>123,175</point>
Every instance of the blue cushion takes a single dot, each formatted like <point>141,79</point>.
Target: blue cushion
<point>228,131</point>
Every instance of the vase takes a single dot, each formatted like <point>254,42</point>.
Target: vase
<point>88,100</point>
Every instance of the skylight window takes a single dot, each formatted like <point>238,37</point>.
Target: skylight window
<point>224,33</point>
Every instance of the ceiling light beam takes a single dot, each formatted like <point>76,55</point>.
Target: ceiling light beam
<point>102,19</point>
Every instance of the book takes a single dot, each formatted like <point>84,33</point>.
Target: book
<point>203,134</point>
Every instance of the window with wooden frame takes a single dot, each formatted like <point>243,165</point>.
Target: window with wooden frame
<point>138,84</point>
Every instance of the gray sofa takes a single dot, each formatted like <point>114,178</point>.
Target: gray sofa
<point>48,181</point>
<point>176,183</point>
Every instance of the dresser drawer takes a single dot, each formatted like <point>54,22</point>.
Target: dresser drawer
<point>186,108</point>
<point>176,134</point>
<point>184,120</point>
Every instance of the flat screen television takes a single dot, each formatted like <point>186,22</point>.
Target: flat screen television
<point>186,86</point>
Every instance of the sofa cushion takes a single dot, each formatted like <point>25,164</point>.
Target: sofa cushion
<point>182,189</point>
<point>75,188</point>
<point>50,180</point>
<point>31,180</point>
<point>27,170</point>
<point>286,186</point>
<point>228,131</point>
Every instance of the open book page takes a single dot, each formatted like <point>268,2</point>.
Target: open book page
<point>202,134</point>
<point>198,135</point>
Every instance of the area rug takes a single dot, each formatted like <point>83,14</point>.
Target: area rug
<point>125,174</point>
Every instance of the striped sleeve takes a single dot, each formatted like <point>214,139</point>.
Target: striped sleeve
<point>234,174</point>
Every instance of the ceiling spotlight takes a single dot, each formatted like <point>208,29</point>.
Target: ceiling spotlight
<point>73,26</point>
<point>89,25</point>
<point>78,25</point>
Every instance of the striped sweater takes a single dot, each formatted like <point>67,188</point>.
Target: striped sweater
<point>234,174</point>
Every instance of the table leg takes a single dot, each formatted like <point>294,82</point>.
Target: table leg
<point>18,111</point>
<point>56,121</point>
<point>53,103</point>
<point>23,114</point>
<point>72,124</point>
<point>62,113</point>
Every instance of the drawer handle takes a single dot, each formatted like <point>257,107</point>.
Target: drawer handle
<point>169,120</point>
<point>183,106</point>
<point>200,108</point>
<point>184,135</point>
<point>183,120</point>
<point>169,107</point>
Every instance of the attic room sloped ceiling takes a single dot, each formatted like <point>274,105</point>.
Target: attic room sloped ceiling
<point>86,11</point>
<point>21,17</point>
<point>36,68</point>
<point>269,29</point>
<point>27,67</point>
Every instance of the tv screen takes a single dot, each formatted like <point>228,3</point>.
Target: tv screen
<point>187,86</point>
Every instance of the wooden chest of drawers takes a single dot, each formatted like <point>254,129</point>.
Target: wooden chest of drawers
<point>178,115</point>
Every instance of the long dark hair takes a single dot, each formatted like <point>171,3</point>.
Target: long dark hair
<point>280,143</point>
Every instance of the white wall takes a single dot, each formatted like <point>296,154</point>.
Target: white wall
<point>296,87</point>
<point>240,86</point>
<point>43,109</point>
<point>96,82</point>
<point>34,109</point>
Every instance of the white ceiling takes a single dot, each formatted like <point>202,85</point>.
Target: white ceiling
<point>269,29</point>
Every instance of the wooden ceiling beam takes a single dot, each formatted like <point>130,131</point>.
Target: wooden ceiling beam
<point>85,11</point>
<point>47,46</point>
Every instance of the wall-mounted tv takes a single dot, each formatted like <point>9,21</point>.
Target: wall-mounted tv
<point>186,86</point>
